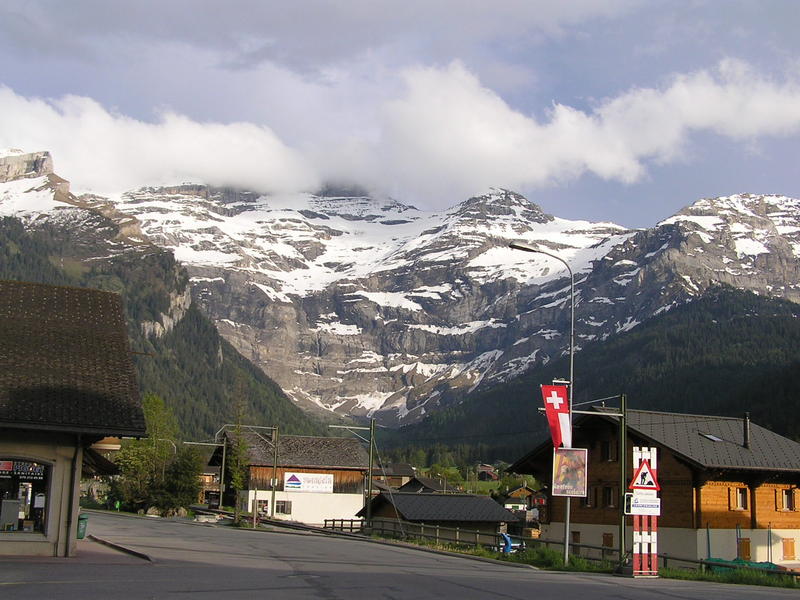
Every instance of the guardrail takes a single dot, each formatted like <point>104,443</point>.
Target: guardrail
<point>664,557</point>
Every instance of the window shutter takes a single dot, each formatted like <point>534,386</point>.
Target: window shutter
<point>778,499</point>
<point>731,499</point>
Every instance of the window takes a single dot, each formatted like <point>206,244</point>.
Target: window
<point>787,499</point>
<point>576,537</point>
<point>262,507</point>
<point>23,496</point>
<point>608,451</point>
<point>608,540</point>
<point>283,507</point>
<point>738,499</point>
<point>588,500</point>
<point>609,498</point>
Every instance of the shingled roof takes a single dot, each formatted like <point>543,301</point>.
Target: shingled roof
<point>707,442</point>
<point>717,442</point>
<point>306,451</point>
<point>65,361</point>
<point>443,507</point>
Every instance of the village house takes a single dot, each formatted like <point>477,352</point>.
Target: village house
<point>450,517</point>
<point>426,485</point>
<point>67,381</point>
<point>317,478</point>
<point>728,486</point>
<point>393,475</point>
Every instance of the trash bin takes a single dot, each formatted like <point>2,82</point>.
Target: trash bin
<point>83,522</point>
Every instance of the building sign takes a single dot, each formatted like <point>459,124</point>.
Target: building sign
<point>308,482</point>
<point>28,471</point>
<point>569,472</point>
<point>6,468</point>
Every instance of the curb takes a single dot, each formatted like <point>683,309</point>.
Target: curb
<point>121,548</point>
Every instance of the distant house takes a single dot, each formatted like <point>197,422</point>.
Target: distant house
<point>466,512</point>
<point>486,473</point>
<point>728,486</point>
<point>67,381</point>
<point>316,478</point>
<point>394,475</point>
<point>425,485</point>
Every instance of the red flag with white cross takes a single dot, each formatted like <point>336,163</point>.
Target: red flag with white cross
<point>556,406</point>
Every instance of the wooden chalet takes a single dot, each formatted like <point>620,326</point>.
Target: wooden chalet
<point>394,475</point>
<point>316,478</point>
<point>728,486</point>
<point>67,381</point>
<point>425,485</point>
<point>463,512</point>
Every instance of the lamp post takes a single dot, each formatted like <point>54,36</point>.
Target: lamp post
<point>526,248</point>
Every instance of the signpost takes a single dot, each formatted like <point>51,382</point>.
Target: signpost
<point>645,506</point>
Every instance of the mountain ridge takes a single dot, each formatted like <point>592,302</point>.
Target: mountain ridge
<point>367,307</point>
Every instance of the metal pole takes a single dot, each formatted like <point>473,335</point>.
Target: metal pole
<point>623,445</point>
<point>571,390</point>
<point>526,248</point>
<point>368,506</point>
<point>274,482</point>
<point>222,473</point>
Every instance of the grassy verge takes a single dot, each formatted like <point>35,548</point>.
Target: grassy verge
<point>739,576</point>
<point>552,560</point>
<point>544,558</point>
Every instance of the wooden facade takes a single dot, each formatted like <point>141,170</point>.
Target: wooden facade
<point>345,481</point>
<point>691,497</point>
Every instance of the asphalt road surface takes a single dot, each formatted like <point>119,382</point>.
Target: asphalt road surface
<point>204,562</point>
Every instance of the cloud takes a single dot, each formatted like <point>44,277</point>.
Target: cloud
<point>449,136</point>
<point>439,136</point>
<point>108,152</point>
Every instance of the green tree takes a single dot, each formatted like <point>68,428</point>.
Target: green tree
<point>153,472</point>
<point>238,456</point>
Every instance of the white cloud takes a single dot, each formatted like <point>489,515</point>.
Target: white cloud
<point>108,152</point>
<point>449,136</point>
<point>432,137</point>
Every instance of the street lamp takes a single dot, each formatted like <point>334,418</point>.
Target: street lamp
<point>526,248</point>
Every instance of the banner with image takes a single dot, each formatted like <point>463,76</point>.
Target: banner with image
<point>569,472</point>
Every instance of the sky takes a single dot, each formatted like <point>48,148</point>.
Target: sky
<point>605,110</point>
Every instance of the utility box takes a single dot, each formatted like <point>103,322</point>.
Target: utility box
<point>83,523</point>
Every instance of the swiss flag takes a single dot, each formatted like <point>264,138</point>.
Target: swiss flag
<point>556,405</point>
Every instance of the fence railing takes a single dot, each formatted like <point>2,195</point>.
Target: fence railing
<point>348,525</point>
<point>470,537</point>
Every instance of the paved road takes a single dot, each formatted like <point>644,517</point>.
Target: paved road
<point>204,562</point>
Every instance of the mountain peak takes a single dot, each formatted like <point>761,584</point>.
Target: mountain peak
<point>16,164</point>
<point>502,202</point>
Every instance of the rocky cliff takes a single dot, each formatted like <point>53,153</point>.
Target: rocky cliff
<point>365,306</point>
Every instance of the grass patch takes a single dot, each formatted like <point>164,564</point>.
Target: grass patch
<point>737,576</point>
<point>541,557</point>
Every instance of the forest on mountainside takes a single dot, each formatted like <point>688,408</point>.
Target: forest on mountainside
<point>726,353</point>
<point>198,374</point>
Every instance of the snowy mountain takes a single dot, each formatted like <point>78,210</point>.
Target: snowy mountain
<point>365,306</point>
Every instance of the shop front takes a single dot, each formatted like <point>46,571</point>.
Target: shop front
<point>23,495</point>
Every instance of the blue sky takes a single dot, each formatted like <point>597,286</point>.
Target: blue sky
<point>614,110</point>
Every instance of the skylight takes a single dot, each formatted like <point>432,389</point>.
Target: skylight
<point>711,437</point>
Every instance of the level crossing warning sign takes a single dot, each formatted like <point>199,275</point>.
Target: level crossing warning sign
<point>644,478</point>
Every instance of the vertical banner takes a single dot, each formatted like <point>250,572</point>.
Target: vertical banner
<point>569,472</point>
<point>556,406</point>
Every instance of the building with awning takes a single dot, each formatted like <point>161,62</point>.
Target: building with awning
<point>67,381</point>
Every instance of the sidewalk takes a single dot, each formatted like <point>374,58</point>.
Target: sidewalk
<point>88,552</point>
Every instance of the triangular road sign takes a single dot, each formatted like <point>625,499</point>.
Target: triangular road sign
<point>644,479</point>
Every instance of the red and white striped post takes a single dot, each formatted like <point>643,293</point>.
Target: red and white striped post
<point>645,527</point>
